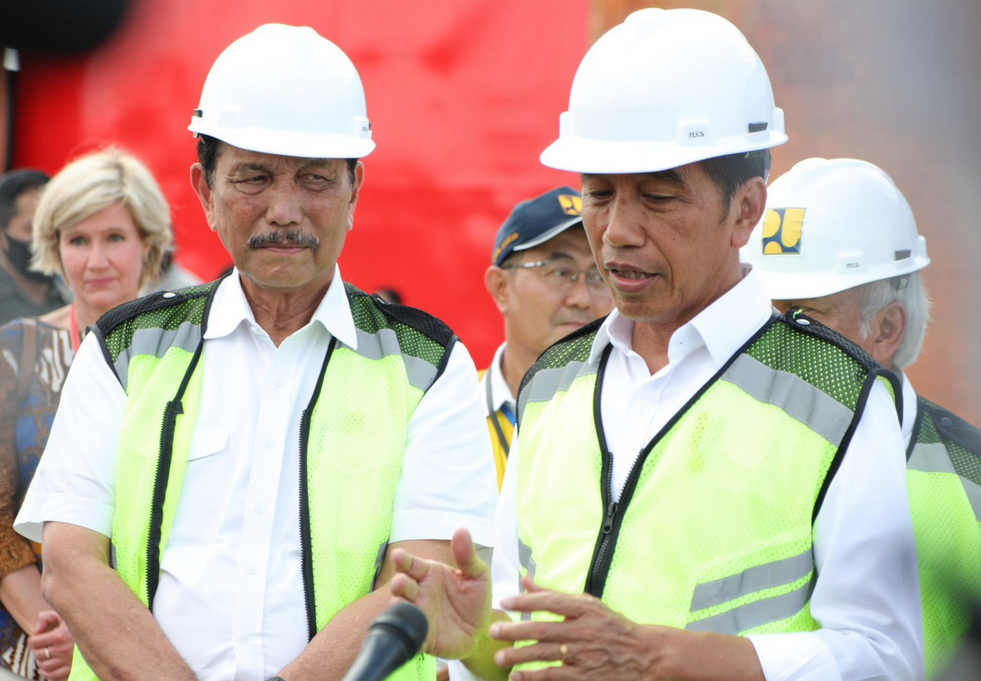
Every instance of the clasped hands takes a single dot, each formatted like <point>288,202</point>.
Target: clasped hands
<point>589,641</point>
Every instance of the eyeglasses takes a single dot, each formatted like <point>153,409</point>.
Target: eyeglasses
<point>561,275</point>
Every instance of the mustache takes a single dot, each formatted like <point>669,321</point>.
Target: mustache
<point>284,237</point>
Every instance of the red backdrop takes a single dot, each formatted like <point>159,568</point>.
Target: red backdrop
<point>462,96</point>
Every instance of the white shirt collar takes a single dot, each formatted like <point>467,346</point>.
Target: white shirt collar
<point>500,392</point>
<point>231,308</point>
<point>721,328</point>
<point>909,407</point>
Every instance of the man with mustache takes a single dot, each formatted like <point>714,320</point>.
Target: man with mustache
<point>23,292</point>
<point>544,282</point>
<point>700,488</point>
<point>230,461</point>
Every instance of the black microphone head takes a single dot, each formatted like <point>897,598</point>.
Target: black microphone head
<point>407,622</point>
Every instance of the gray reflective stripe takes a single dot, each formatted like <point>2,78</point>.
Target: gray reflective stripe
<point>385,343</point>
<point>756,614</point>
<point>528,563</point>
<point>547,382</point>
<point>934,458</point>
<point>754,579</point>
<point>156,342</point>
<point>823,414</point>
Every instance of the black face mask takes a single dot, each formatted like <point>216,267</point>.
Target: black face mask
<point>19,255</point>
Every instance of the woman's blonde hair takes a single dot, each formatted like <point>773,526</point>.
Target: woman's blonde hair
<point>92,183</point>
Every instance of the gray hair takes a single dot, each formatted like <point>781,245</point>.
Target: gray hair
<point>908,290</point>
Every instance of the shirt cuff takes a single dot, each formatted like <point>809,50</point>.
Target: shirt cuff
<point>440,525</point>
<point>801,657</point>
<point>60,508</point>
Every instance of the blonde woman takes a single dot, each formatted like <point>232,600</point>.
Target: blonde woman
<point>103,225</point>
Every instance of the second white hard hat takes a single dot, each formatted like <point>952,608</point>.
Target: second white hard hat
<point>831,225</point>
<point>285,90</point>
<point>664,89</point>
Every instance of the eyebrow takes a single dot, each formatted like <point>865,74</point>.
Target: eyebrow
<point>250,166</point>
<point>671,175</point>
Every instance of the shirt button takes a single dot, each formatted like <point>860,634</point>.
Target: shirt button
<point>269,445</point>
<point>260,508</point>
<point>246,638</point>
<point>253,570</point>
<point>278,382</point>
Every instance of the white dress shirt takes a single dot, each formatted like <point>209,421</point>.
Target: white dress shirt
<point>500,393</point>
<point>867,592</point>
<point>230,595</point>
<point>910,407</point>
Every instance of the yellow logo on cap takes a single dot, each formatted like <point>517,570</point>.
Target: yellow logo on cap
<point>504,244</point>
<point>571,205</point>
<point>782,231</point>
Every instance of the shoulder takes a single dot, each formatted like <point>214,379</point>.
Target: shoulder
<point>949,428</point>
<point>573,349</point>
<point>160,303</point>
<point>372,314</point>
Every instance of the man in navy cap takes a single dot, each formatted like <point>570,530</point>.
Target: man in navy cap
<point>544,281</point>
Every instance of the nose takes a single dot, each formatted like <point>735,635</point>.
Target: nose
<point>97,259</point>
<point>284,207</point>
<point>579,295</point>
<point>623,223</point>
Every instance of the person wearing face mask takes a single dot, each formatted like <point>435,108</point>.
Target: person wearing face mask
<point>103,225</point>
<point>23,292</point>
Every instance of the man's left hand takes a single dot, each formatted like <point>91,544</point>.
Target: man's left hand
<point>592,643</point>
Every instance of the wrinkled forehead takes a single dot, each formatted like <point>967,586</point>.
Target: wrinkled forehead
<point>236,158</point>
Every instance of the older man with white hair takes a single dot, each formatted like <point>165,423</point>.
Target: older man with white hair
<point>838,243</point>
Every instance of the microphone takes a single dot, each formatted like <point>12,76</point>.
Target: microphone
<point>393,639</point>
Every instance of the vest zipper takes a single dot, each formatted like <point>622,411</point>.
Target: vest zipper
<point>306,560</point>
<point>606,542</point>
<point>171,411</point>
<point>306,557</point>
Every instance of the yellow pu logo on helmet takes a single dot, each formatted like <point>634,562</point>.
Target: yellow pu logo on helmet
<point>782,231</point>
<point>571,205</point>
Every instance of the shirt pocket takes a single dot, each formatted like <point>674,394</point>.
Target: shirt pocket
<point>206,483</point>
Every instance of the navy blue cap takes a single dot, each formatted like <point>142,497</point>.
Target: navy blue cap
<point>537,220</point>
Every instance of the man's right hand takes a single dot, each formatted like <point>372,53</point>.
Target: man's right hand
<point>457,602</point>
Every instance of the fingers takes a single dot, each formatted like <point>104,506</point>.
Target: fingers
<point>526,631</point>
<point>566,605</point>
<point>402,586</point>
<point>406,563</point>
<point>539,652</point>
<point>465,554</point>
<point>46,619</point>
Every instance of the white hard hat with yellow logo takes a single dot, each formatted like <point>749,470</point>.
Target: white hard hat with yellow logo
<point>664,89</point>
<point>831,225</point>
<point>285,90</point>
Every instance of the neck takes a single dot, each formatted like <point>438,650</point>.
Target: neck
<point>515,364</point>
<point>85,316</point>
<point>282,312</point>
<point>650,339</point>
<point>35,290</point>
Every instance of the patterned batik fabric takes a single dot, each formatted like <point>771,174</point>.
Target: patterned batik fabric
<point>24,428</point>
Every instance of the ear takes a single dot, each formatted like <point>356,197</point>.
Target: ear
<point>496,281</point>
<point>887,331</point>
<point>748,205</point>
<point>199,183</point>
<point>355,192</point>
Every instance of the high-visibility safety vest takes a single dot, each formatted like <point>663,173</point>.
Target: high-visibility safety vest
<point>352,441</point>
<point>713,529</point>
<point>944,483</point>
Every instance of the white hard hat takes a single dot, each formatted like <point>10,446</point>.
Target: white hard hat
<point>285,90</point>
<point>664,89</point>
<point>831,225</point>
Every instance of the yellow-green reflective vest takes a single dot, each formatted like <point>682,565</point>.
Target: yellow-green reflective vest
<point>352,440</point>
<point>944,483</point>
<point>713,530</point>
